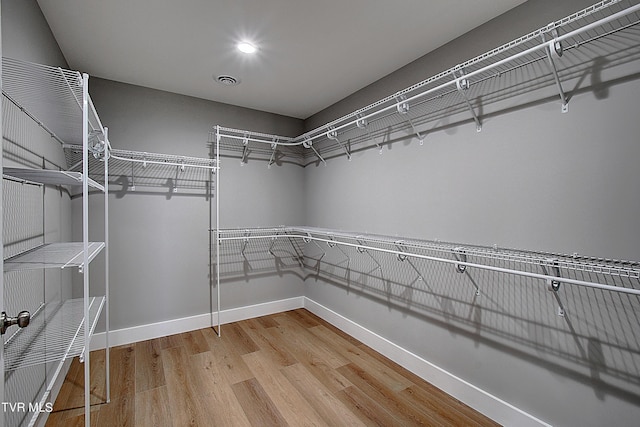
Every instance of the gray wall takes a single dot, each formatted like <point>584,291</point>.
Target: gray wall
<point>159,242</point>
<point>532,179</point>
<point>27,36</point>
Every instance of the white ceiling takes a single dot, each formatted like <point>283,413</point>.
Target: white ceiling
<point>312,54</point>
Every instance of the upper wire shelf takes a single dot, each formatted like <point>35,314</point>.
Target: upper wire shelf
<point>147,169</point>
<point>52,97</point>
<point>462,256</point>
<point>257,145</point>
<point>605,35</point>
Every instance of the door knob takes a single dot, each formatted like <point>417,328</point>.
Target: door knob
<point>22,320</point>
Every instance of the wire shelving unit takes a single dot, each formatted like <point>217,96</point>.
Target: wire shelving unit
<point>58,101</point>
<point>305,244</point>
<point>542,59</point>
<point>559,52</point>
<point>459,255</point>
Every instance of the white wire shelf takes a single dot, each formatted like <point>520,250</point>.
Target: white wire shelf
<point>551,264</point>
<point>45,176</point>
<point>51,96</point>
<point>147,169</point>
<point>605,33</point>
<point>54,334</point>
<point>53,255</point>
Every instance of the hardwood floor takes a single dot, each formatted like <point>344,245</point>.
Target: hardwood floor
<point>290,368</point>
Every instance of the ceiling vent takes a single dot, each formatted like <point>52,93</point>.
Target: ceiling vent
<point>227,80</point>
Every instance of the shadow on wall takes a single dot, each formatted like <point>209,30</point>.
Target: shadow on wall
<point>187,185</point>
<point>596,342</point>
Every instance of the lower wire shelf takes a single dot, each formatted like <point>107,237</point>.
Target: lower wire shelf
<point>55,334</point>
<point>53,255</point>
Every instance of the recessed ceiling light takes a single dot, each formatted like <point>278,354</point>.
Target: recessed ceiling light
<point>246,47</point>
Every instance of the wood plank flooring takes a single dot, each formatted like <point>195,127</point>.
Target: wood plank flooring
<point>287,369</point>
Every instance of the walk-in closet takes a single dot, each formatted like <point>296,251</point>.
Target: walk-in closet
<point>274,213</point>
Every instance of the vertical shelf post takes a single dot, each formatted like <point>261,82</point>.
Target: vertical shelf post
<point>218,223</point>
<point>106,262</point>
<point>85,242</point>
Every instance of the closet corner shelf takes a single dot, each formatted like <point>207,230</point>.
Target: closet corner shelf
<point>55,334</point>
<point>44,176</point>
<point>53,255</point>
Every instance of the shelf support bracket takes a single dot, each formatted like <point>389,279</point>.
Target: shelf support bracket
<point>332,134</point>
<point>245,151</point>
<point>274,147</point>
<point>403,109</point>
<point>554,49</point>
<point>363,250</point>
<point>332,243</point>
<point>362,123</point>
<point>245,242</point>
<point>273,243</point>
<point>461,256</point>
<point>319,247</point>
<point>308,143</point>
<point>463,85</point>
<point>133,182</point>
<point>554,285</point>
<point>174,185</point>
<point>402,256</point>
<point>308,239</point>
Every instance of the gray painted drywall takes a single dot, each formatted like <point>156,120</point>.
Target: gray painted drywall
<point>159,241</point>
<point>532,179</point>
<point>27,36</point>
<point>33,215</point>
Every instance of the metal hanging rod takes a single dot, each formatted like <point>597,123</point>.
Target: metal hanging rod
<point>164,163</point>
<point>263,138</point>
<point>491,63</point>
<point>150,158</point>
<point>363,243</point>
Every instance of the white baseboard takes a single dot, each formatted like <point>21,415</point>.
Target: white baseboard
<point>483,402</point>
<point>186,324</point>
